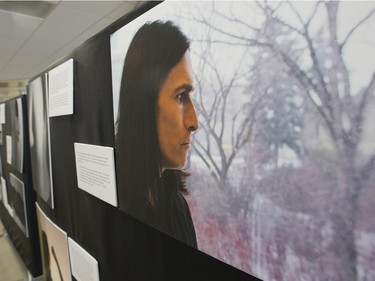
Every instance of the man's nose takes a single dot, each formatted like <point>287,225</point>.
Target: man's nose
<point>191,119</point>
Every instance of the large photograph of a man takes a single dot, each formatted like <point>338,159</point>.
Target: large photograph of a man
<point>282,154</point>
<point>154,125</point>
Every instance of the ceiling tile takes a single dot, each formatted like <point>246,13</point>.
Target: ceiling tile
<point>16,70</point>
<point>8,49</point>
<point>57,33</point>
<point>16,33</point>
<point>4,60</point>
<point>10,43</point>
<point>122,10</point>
<point>38,9</point>
<point>18,21</point>
<point>29,46</point>
<point>94,29</point>
<point>67,48</point>
<point>101,8</point>
<point>29,56</point>
<point>70,16</point>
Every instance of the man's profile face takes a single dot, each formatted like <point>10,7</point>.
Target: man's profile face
<point>176,115</point>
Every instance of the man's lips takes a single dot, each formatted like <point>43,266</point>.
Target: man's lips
<point>185,143</point>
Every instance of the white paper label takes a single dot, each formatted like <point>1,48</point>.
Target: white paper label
<point>96,171</point>
<point>9,149</point>
<point>61,89</point>
<point>2,113</point>
<point>84,266</point>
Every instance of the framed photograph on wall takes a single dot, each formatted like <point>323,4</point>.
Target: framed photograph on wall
<point>272,114</point>
<point>17,201</point>
<point>54,248</point>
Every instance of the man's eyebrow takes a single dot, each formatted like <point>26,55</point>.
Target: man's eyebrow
<point>185,87</point>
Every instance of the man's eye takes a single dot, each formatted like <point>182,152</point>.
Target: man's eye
<point>181,97</point>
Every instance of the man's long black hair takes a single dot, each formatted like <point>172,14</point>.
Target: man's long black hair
<point>155,49</point>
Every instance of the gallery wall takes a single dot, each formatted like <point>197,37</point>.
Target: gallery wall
<point>17,204</point>
<point>281,168</point>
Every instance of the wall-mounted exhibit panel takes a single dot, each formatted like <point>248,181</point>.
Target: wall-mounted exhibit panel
<point>215,141</point>
<point>17,204</point>
<point>284,153</point>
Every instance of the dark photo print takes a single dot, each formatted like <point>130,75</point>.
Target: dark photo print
<point>17,200</point>
<point>246,129</point>
<point>15,142</point>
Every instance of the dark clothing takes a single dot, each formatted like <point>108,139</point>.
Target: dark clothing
<point>170,213</point>
<point>176,219</point>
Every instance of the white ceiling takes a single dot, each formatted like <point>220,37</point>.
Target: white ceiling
<point>29,45</point>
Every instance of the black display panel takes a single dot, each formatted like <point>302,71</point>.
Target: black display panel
<point>17,204</point>
<point>282,163</point>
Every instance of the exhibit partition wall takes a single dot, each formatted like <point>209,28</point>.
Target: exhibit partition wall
<point>17,200</point>
<point>211,141</point>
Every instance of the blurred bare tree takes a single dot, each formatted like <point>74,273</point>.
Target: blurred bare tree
<point>225,127</point>
<point>315,62</point>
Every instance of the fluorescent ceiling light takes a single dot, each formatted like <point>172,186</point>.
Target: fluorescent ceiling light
<point>38,9</point>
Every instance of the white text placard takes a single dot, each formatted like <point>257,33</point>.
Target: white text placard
<point>96,171</point>
<point>84,266</point>
<point>60,89</point>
